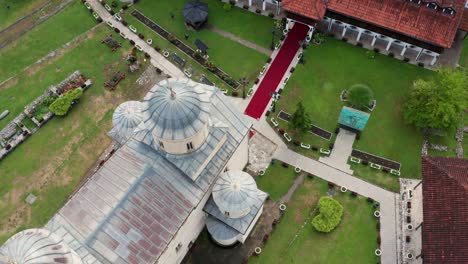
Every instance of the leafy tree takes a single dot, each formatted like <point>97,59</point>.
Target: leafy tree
<point>300,120</point>
<point>61,106</point>
<point>438,103</point>
<point>360,96</point>
<point>331,212</point>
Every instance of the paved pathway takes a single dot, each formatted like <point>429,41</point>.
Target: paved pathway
<point>297,182</point>
<point>156,59</point>
<point>241,40</point>
<point>342,149</point>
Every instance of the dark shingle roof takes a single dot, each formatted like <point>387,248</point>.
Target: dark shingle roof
<point>445,210</point>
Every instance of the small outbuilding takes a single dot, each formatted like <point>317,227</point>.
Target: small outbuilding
<point>195,14</point>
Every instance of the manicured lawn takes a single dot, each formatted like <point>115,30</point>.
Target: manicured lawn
<point>244,24</point>
<point>48,36</point>
<point>334,66</point>
<point>377,177</point>
<point>464,55</point>
<point>276,180</point>
<point>53,161</point>
<point>353,241</point>
<point>17,10</point>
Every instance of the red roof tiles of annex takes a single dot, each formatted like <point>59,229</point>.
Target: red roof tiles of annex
<point>411,19</point>
<point>445,210</point>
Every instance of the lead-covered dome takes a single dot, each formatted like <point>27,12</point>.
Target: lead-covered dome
<point>175,110</point>
<point>234,193</point>
<point>37,246</point>
<point>126,118</point>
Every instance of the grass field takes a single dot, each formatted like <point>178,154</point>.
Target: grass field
<point>276,180</point>
<point>53,161</point>
<point>334,66</point>
<point>244,24</point>
<point>464,55</point>
<point>43,39</point>
<point>353,241</point>
<point>13,10</point>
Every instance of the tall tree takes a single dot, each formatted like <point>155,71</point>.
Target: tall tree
<point>300,120</point>
<point>438,103</point>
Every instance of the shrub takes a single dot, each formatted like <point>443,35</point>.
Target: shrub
<point>420,64</point>
<point>284,164</point>
<point>112,12</point>
<point>269,60</point>
<point>258,11</point>
<point>391,55</point>
<point>353,194</point>
<point>245,6</point>
<point>257,80</point>
<point>61,106</point>
<point>315,148</point>
<point>158,71</point>
<point>280,90</point>
<point>132,42</point>
<point>281,131</point>
<point>271,15</point>
<point>117,30</point>
<point>360,96</point>
<point>158,49</point>
<point>114,3</point>
<point>406,59</point>
<point>371,54</point>
<point>364,162</point>
<point>125,6</point>
<point>235,93</point>
<point>330,146</point>
<point>387,170</point>
<point>359,44</point>
<point>141,36</point>
<point>265,238</point>
<point>125,23</point>
<point>331,212</point>
<point>376,50</point>
<point>344,39</point>
<point>358,136</point>
<point>227,7</point>
<point>99,19</point>
<point>147,55</point>
<point>267,113</point>
<point>292,69</point>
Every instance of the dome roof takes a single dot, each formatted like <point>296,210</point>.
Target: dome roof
<point>175,109</point>
<point>35,246</point>
<point>234,193</point>
<point>126,118</point>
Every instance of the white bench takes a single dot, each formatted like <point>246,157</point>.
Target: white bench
<point>107,7</point>
<point>118,17</point>
<point>305,146</point>
<point>287,137</point>
<point>138,47</point>
<point>275,123</point>
<point>132,28</point>
<point>325,151</point>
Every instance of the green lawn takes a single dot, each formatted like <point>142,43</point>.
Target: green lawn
<point>334,66</point>
<point>17,10</point>
<point>247,25</point>
<point>48,36</point>
<point>276,180</point>
<point>353,241</point>
<point>53,161</point>
<point>464,55</point>
<point>377,177</point>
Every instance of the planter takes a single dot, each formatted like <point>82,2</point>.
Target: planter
<point>305,146</point>
<point>132,28</point>
<point>308,39</point>
<point>258,250</point>
<point>224,91</point>
<point>149,41</point>
<point>261,172</point>
<point>343,189</point>
<point>297,169</point>
<point>285,31</point>
<point>325,151</point>
<point>355,160</point>
<point>377,214</point>
<point>395,172</point>
<point>409,227</point>
<point>274,122</point>
<point>375,166</point>
<point>282,207</point>
<point>378,252</point>
<point>187,73</point>
<point>409,256</point>
<point>165,54</point>
<point>287,137</point>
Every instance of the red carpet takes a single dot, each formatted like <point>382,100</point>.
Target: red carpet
<point>276,71</point>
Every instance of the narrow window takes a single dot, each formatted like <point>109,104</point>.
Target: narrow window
<point>179,246</point>
<point>161,144</point>
<point>189,146</point>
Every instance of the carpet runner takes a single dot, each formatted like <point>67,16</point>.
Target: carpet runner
<point>276,71</point>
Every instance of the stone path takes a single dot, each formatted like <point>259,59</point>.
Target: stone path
<point>297,182</point>
<point>156,59</point>
<point>342,149</point>
<point>240,40</point>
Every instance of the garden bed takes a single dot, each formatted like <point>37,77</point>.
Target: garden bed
<point>376,159</point>
<point>184,48</point>
<point>313,128</point>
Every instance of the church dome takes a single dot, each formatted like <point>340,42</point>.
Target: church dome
<point>126,118</point>
<point>174,110</point>
<point>37,246</point>
<point>234,193</point>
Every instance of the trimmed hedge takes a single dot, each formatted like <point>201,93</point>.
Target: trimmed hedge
<point>331,212</point>
<point>61,106</point>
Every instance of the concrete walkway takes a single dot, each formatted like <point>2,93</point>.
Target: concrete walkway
<point>156,59</point>
<point>297,182</point>
<point>241,40</point>
<point>342,149</point>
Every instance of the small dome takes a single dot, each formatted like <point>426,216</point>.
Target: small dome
<point>37,246</point>
<point>127,117</point>
<point>234,193</point>
<point>175,110</point>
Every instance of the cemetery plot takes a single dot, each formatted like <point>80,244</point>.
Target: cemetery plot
<point>114,80</point>
<point>111,43</point>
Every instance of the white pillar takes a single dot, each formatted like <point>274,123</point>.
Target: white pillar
<point>434,59</point>
<point>403,51</point>
<point>263,5</point>
<point>373,40</point>
<point>250,3</point>
<point>330,24</point>
<point>419,54</point>
<point>344,31</point>
<point>389,44</point>
<point>359,35</point>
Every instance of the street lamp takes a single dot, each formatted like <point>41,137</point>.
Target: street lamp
<point>243,81</point>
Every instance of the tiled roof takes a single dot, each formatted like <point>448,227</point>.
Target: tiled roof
<point>464,22</point>
<point>407,18</point>
<point>445,210</point>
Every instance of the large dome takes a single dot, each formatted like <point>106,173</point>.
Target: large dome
<point>37,246</point>
<point>234,193</point>
<point>175,109</point>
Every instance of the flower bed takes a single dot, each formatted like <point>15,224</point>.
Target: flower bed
<point>376,159</point>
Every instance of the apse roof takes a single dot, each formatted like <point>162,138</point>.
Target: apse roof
<point>176,109</point>
<point>126,118</point>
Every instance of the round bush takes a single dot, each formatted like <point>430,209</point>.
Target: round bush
<point>330,215</point>
<point>360,96</point>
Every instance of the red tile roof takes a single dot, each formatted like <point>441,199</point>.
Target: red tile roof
<point>407,18</point>
<point>464,22</point>
<point>445,210</point>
